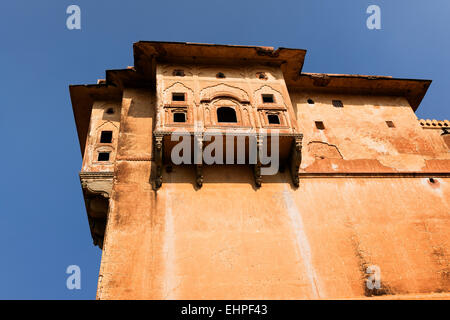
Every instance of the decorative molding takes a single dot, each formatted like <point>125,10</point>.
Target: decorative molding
<point>97,183</point>
<point>252,133</point>
<point>223,90</point>
<point>136,158</point>
<point>174,87</point>
<point>332,175</point>
<point>266,89</point>
<point>434,124</point>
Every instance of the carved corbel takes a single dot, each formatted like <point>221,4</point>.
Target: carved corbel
<point>199,175</point>
<point>296,159</point>
<point>198,159</point>
<point>97,183</point>
<point>257,166</point>
<point>158,150</point>
<point>97,188</point>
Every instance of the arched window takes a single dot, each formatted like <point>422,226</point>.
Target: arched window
<point>273,119</point>
<point>226,114</point>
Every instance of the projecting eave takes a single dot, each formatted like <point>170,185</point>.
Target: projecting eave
<point>146,53</point>
<point>412,89</point>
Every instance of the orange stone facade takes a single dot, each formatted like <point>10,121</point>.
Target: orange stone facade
<point>363,184</point>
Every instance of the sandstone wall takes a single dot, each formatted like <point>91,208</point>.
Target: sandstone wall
<point>229,240</point>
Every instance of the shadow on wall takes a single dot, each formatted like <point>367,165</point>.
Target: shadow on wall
<point>238,174</point>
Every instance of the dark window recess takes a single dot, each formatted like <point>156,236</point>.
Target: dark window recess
<point>220,75</point>
<point>273,119</point>
<point>310,101</point>
<point>226,114</point>
<point>390,124</point>
<point>178,96</point>
<point>103,156</point>
<point>267,98</point>
<point>262,76</point>
<point>320,125</point>
<point>338,103</point>
<point>110,111</point>
<point>106,137</point>
<point>179,117</point>
<point>178,73</point>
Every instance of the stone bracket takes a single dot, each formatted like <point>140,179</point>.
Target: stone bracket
<point>97,188</point>
<point>198,159</point>
<point>257,174</point>
<point>257,167</point>
<point>199,175</point>
<point>158,156</point>
<point>295,159</point>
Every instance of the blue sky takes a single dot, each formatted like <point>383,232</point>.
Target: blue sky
<point>43,224</point>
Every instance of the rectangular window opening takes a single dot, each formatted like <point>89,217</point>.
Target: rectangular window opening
<point>179,117</point>
<point>178,73</point>
<point>106,137</point>
<point>267,98</point>
<point>338,103</point>
<point>390,124</point>
<point>273,119</point>
<point>103,156</point>
<point>320,125</point>
<point>176,96</point>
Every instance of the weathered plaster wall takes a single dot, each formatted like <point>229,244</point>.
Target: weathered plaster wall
<point>357,138</point>
<point>102,120</point>
<point>230,241</point>
<point>126,252</point>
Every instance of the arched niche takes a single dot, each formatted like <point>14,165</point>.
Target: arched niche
<point>224,91</point>
<point>177,87</point>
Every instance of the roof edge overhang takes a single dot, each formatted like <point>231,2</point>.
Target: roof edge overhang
<point>413,90</point>
<point>146,52</point>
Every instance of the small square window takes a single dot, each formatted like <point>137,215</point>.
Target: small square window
<point>106,137</point>
<point>273,119</point>
<point>103,156</point>
<point>267,98</point>
<point>176,96</point>
<point>178,73</point>
<point>390,124</point>
<point>179,117</point>
<point>320,125</point>
<point>338,103</point>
